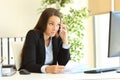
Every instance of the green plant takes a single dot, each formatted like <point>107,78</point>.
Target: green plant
<point>76,28</point>
<point>53,3</point>
<point>62,3</point>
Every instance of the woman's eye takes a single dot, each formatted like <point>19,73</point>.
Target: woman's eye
<point>51,24</point>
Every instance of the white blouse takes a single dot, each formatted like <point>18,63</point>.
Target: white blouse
<point>49,55</point>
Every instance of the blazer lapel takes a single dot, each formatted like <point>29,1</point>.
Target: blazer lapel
<point>55,49</point>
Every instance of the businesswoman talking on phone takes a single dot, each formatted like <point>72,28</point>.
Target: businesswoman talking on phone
<point>46,48</point>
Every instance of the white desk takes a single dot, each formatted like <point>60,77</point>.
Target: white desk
<point>66,76</point>
<point>78,76</point>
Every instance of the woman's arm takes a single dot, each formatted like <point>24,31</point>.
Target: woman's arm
<point>29,53</point>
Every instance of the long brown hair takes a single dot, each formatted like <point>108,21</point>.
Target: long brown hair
<point>46,14</point>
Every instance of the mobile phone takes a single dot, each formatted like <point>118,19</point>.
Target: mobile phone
<point>59,30</point>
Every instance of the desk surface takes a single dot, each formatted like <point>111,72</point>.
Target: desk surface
<point>78,76</point>
<point>72,75</point>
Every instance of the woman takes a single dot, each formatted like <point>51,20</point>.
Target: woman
<point>46,48</point>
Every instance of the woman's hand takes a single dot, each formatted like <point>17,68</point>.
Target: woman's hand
<point>63,33</point>
<point>54,69</point>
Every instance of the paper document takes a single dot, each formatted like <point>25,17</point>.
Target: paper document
<point>74,67</point>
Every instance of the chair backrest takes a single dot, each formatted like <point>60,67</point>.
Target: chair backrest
<point>17,48</point>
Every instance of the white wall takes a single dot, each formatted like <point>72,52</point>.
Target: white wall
<point>18,16</point>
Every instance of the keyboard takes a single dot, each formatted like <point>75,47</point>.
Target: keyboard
<point>101,70</point>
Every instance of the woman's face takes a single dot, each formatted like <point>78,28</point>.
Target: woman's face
<point>53,25</point>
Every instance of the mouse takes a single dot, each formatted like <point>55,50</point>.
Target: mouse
<point>24,71</point>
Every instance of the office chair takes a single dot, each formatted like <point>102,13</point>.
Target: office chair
<point>17,48</point>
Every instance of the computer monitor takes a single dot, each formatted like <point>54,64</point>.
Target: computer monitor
<point>114,34</point>
<point>113,42</point>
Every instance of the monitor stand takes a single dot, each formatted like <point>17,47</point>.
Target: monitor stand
<point>118,70</point>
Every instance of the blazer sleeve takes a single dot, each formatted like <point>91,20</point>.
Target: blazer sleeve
<point>29,53</point>
<point>63,54</point>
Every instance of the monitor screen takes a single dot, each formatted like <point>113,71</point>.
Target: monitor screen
<point>114,34</point>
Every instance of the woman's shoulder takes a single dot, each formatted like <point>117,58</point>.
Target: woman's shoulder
<point>34,33</point>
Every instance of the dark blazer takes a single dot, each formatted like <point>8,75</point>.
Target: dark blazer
<point>33,53</point>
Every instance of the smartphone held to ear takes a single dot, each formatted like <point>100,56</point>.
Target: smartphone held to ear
<point>59,30</point>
